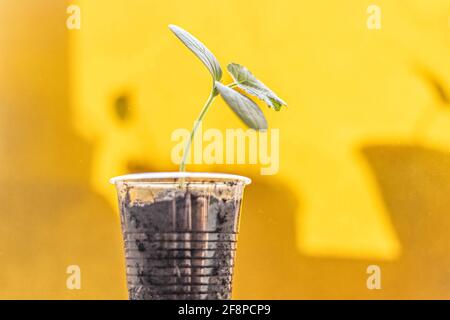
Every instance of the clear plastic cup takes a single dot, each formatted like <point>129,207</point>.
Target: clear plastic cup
<point>180,233</point>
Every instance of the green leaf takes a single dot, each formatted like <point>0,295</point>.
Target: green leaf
<point>200,50</point>
<point>244,107</point>
<point>248,82</point>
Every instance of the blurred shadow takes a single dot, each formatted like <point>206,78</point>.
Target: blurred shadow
<point>438,90</point>
<point>49,216</point>
<point>435,83</point>
<point>414,183</point>
<point>270,266</point>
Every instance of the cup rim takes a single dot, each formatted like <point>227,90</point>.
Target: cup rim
<point>147,177</point>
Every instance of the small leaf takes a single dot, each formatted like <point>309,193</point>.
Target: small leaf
<point>199,50</point>
<point>248,82</point>
<point>245,108</point>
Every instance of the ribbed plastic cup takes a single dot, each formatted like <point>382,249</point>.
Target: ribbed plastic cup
<point>180,233</point>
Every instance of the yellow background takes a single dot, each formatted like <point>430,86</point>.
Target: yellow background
<point>364,144</point>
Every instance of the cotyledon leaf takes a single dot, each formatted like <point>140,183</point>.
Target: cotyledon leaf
<point>200,50</point>
<point>248,82</point>
<point>244,107</point>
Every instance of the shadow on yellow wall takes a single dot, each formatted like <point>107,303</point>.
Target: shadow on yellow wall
<point>357,184</point>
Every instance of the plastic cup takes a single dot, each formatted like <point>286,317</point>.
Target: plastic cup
<point>180,233</point>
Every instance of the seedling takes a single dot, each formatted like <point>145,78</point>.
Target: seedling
<point>242,105</point>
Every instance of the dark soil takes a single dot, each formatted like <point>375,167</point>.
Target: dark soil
<point>181,246</point>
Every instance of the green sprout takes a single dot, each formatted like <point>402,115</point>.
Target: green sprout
<point>244,107</point>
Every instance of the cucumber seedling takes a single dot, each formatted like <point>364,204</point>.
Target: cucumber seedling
<point>243,106</point>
